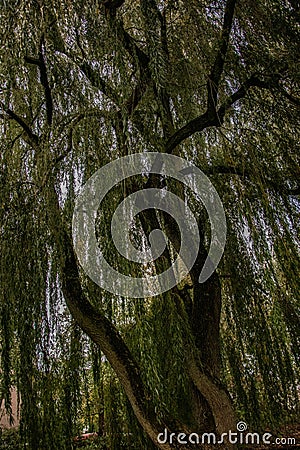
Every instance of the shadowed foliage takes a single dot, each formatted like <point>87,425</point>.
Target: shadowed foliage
<point>83,83</point>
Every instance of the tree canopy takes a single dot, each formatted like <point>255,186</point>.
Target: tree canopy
<point>83,83</point>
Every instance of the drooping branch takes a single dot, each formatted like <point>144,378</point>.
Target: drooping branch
<point>127,41</point>
<point>45,82</point>
<point>98,82</point>
<point>92,74</point>
<point>71,124</point>
<point>218,66</point>
<point>279,187</point>
<point>137,55</point>
<point>208,119</point>
<point>32,138</point>
<point>139,58</point>
<point>291,98</point>
<point>40,62</point>
<point>53,34</point>
<point>156,33</point>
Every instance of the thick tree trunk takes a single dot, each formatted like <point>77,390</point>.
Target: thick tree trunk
<point>106,336</point>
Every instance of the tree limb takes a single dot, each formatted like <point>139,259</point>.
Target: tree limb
<point>45,83</point>
<point>197,124</point>
<point>156,33</point>
<point>91,74</point>
<point>291,98</point>
<point>246,174</point>
<point>103,332</point>
<point>31,60</point>
<point>73,122</point>
<point>216,397</point>
<point>209,119</point>
<point>230,170</point>
<point>139,57</point>
<point>97,81</point>
<point>32,138</point>
<point>218,66</point>
<point>40,62</point>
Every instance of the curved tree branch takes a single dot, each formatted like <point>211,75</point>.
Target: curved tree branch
<point>32,138</point>
<point>103,332</point>
<point>217,398</point>
<point>139,57</point>
<point>40,62</point>
<point>209,119</point>
<point>218,66</point>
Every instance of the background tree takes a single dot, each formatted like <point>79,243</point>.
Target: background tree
<point>84,83</point>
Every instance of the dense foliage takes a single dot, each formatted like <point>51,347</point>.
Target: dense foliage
<point>83,83</point>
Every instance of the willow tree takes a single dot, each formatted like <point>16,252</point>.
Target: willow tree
<point>84,83</point>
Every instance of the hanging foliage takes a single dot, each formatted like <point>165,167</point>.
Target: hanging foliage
<point>82,84</point>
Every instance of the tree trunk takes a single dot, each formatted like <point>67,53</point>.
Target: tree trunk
<point>215,404</point>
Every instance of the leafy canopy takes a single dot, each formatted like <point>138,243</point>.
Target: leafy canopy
<point>85,82</point>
